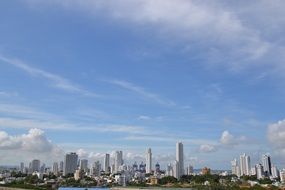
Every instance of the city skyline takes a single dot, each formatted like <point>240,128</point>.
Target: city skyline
<point>115,164</point>
<point>94,77</point>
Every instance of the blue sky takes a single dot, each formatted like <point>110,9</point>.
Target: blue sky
<point>99,76</point>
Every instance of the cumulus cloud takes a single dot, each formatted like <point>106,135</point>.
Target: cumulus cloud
<point>276,136</point>
<point>34,142</point>
<point>227,140</point>
<point>206,148</point>
<point>230,140</point>
<point>82,153</point>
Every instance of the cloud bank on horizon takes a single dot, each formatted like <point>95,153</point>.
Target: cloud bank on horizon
<point>98,76</point>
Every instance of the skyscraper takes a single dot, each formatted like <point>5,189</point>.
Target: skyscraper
<point>274,171</point>
<point>259,171</point>
<point>282,176</point>
<point>107,163</point>
<point>148,161</point>
<point>176,169</point>
<point>35,166</point>
<point>180,158</point>
<point>266,163</point>
<point>22,167</point>
<point>83,165</point>
<point>169,170</point>
<point>96,168</point>
<point>118,160</point>
<point>70,163</point>
<point>190,170</point>
<point>244,165</point>
<point>235,167</point>
<point>61,166</point>
<point>55,168</point>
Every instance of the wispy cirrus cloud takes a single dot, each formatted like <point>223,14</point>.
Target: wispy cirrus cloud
<point>229,33</point>
<point>19,123</point>
<point>8,94</point>
<point>56,80</point>
<point>142,92</point>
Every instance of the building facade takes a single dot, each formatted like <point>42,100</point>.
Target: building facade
<point>70,163</point>
<point>148,161</point>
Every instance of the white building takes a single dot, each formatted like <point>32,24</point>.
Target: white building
<point>259,171</point>
<point>180,159</point>
<point>83,165</point>
<point>169,170</point>
<point>107,168</point>
<point>235,167</point>
<point>70,163</point>
<point>266,163</point>
<point>148,161</point>
<point>55,168</point>
<point>274,171</point>
<point>118,160</point>
<point>176,170</point>
<point>189,170</point>
<point>244,165</point>
<point>282,176</point>
<point>253,171</point>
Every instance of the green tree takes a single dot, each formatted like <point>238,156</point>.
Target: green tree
<point>167,179</point>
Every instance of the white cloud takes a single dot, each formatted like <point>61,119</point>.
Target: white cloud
<point>8,94</point>
<point>82,153</point>
<point>144,117</point>
<point>56,80</point>
<point>206,148</point>
<point>142,92</point>
<point>229,33</point>
<point>19,123</point>
<point>228,139</point>
<point>276,136</point>
<point>34,142</point>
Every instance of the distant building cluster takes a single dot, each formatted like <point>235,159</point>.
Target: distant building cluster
<point>123,173</point>
<point>262,170</point>
<point>114,170</point>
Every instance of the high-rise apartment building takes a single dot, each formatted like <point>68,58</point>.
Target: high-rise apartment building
<point>35,166</point>
<point>22,167</point>
<point>169,170</point>
<point>176,170</point>
<point>70,163</point>
<point>148,161</point>
<point>235,167</point>
<point>244,165</point>
<point>266,163</point>
<point>259,171</point>
<point>96,169</point>
<point>282,176</point>
<point>118,160</point>
<point>55,168</point>
<point>107,168</point>
<point>83,165</point>
<point>190,170</point>
<point>61,164</point>
<point>274,171</point>
<point>180,158</point>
